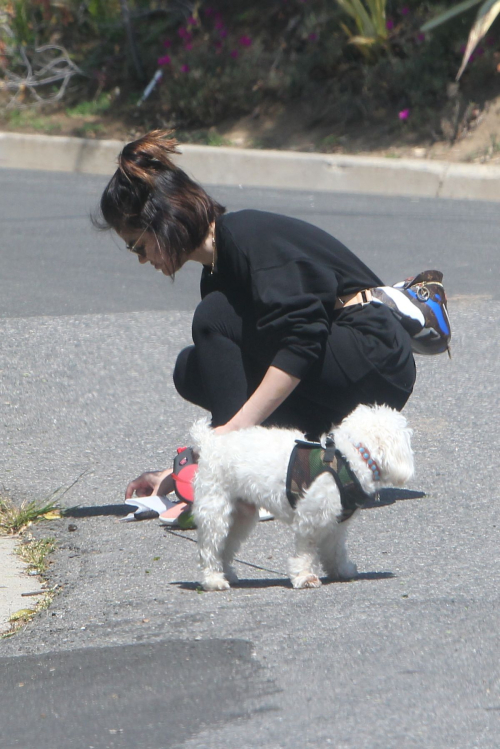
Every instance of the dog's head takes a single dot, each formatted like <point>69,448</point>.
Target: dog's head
<point>387,437</point>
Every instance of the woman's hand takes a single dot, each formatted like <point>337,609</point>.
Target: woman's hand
<point>225,428</point>
<point>151,482</point>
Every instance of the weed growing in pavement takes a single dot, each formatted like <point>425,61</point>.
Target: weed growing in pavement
<point>14,519</point>
<point>35,552</point>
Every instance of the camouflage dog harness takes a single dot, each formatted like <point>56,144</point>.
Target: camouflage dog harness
<point>309,460</point>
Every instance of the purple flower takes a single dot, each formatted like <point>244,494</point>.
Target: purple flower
<point>223,33</point>
<point>167,43</point>
<point>219,24</point>
<point>185,68</point>
<point>405,10</point>
<point>245,41</point>
<point>404,114</point>
<point>313,37</point>
<point>234,53</point>
<point>192,21</point>
<point>164,60</point>
<point>389,24</point>
<point>421,37</point>
<point>188,46</point>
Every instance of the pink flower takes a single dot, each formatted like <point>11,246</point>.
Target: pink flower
<point>185,68</point>
<point>313,37</point>
<point>184,34</point>
<point>188,46</point>
<point>192,21</point>
<point>404,114</point>
<point>167,43</point>
<point>421,37</point>
<point>245,41</point>
<point>389,24</point>
<point>405,10</point>
<point>234,53</point>
<point>164,60</point>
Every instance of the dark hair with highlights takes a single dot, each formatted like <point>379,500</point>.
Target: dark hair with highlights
<point>148,191</point>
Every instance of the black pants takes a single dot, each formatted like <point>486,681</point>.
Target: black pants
<point>226,365</point>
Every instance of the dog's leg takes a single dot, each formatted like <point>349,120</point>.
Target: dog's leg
<point>244,518</point>
<point>333,553</point>
<point>301,566</point>
<point>213,518</point>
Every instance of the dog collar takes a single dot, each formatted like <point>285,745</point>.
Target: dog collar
<point>365,454</point>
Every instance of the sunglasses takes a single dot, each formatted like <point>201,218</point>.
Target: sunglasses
<point>137,248</point>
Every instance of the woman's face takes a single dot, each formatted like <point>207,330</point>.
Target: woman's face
<point>145,245</point>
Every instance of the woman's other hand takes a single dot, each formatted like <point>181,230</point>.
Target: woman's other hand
<point>151,482</point>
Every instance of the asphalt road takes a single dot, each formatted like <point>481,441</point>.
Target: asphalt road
<point>130,654</point>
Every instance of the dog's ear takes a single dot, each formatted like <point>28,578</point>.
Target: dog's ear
<point>395,456</point>
<point>393,445</point>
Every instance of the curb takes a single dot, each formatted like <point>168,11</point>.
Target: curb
<point>272,169</point>
<point>15,583</point>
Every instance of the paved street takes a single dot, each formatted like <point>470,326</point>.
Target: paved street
<point>130,654</point>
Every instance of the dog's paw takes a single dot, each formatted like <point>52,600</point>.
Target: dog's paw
<point>306,581</point>
<point>215,581</point>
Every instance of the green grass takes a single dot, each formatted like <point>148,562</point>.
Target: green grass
<point>20,118</point>
<point>35,553</point>
<point>90,108</point>
<point>14,519</point>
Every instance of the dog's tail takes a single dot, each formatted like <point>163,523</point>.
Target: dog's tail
<point>200,432</point>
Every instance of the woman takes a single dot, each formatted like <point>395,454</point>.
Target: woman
<point>282,335</point>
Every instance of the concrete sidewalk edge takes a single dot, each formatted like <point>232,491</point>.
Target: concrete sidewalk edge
<point>271,169</point>
<point>14,582</point>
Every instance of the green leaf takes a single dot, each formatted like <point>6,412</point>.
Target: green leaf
<point>448,14</point>
<point>485,17</point>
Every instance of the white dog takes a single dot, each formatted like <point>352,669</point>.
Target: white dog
<point>241,471</point>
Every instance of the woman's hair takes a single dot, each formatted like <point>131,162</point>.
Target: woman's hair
<point>148,191</point>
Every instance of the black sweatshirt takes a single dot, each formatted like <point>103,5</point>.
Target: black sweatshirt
<point>284,276</point>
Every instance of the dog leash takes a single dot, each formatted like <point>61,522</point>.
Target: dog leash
<point>240,561</point>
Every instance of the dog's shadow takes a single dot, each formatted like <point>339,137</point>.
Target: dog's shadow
<point>389,496</point>
<point>97,510</point>
<point>385,497</point>
<point>282,582</point>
